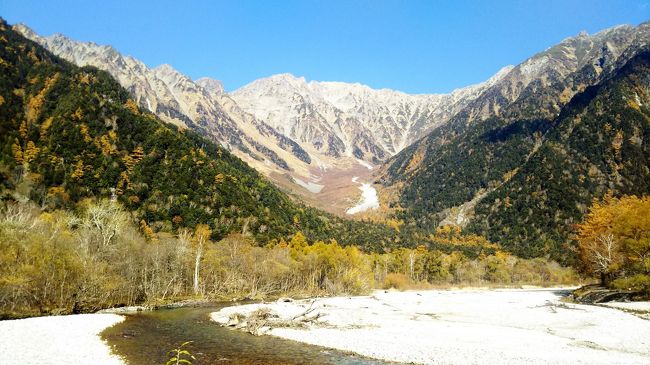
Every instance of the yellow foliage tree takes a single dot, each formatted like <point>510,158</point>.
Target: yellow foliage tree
<point>148,232</point>
<point>58,192</point>
<point>30,153</point>
<point>137,154</point>
<point>78,114</point>
<point>22,129</point>
<point>83,128</point>
<point>104,144</point>
<point>614,241</point>
<point>45,126</point>
<point>132,106</point>
<point>123,183</point>
<point>297,244</point>
<point>18,152</point>
<point>78,169</point>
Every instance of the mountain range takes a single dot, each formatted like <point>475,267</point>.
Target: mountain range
<point>69,134</point>
<point>517,158</point>
<point>289,129</point>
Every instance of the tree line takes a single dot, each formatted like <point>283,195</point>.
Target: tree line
<point>59,261</point>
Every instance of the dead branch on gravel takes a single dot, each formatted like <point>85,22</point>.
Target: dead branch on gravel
<point>263,320</point>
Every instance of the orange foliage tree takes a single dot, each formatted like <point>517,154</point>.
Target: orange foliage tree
<point>614,242</point>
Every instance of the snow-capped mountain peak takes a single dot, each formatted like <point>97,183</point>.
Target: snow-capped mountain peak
<point>351,119</point>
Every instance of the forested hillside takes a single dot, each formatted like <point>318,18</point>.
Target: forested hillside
<point>522,163</point>
<point>70,133</point>
<point>598,144</point>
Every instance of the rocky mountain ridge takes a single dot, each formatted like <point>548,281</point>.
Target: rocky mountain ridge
<point>343,119</point>
<point>202,106</point>
<point>313,137</point>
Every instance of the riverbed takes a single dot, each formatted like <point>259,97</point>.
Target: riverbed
<point>426,327</point>
<point>62,340</point>
<point>145,338</point>
<point>467,327</point>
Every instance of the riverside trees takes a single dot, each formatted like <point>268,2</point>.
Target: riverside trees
<point>54,262</point>
<point>614,242</point>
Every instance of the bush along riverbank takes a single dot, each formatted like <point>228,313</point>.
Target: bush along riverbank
<point>94,258</point>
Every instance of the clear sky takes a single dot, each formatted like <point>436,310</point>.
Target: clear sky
<point>413,46</point>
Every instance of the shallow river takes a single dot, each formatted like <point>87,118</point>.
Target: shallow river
<point>145,338</point>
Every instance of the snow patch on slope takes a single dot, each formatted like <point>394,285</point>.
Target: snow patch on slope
<point>369,198</point>
<point>365,164</point>
<point>309,185</point>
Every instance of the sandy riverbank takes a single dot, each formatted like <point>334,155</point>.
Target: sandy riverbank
<point>57,340</point>
<point>468,327</point>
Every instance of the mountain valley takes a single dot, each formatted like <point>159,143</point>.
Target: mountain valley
<point>294,132</point>
<point>148,216</point>
<point>319,141</point>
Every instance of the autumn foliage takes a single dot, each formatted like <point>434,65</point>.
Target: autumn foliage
<point>97,257</point>
<point>614,242</point>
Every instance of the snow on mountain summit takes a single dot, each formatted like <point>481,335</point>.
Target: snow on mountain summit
<point>351,119</point>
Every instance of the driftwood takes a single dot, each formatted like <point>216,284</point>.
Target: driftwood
<point>553,307</point>
<point>304,315</point>
<point>263,319</point>
<point>594,294</point>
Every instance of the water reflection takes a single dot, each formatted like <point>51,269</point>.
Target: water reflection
<point>145,338</point>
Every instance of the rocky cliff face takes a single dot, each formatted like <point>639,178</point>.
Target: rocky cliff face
<point>342,119</point>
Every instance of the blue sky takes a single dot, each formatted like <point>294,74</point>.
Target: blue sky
<point>413,46</point>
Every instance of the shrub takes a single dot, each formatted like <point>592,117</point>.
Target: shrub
<point>639,282</point>
<point>398,281</point>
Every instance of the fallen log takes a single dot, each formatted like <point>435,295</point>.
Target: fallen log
<point>263,320</point>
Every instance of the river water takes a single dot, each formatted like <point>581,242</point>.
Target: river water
<point>145,339</point>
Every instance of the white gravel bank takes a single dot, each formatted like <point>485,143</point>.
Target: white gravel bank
<point>635,306</point>
<point>57,340</point>
<point>469,327</point>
